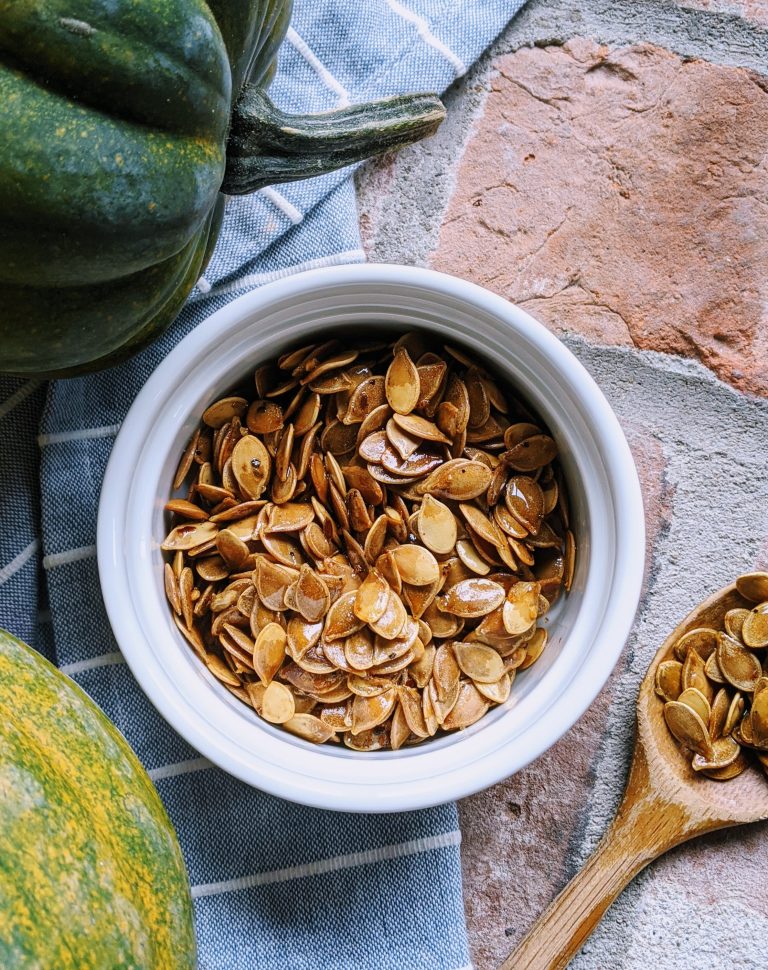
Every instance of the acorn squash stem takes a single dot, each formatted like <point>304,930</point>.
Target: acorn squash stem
<point>267,146</point>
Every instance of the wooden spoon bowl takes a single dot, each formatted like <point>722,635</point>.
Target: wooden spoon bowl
<point>665,803</point>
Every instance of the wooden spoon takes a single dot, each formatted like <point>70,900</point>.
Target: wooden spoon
<point>665,803</point>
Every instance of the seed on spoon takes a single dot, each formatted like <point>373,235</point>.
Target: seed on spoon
<point>753,586</point>
<point>739,666</point>
<point>697,702</point>
<point>754,629</point>
<point>724,752</point>
<point>688,727</point>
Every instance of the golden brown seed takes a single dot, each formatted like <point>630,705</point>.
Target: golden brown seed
<point>402,384</point>
<point>416,565</point>
<point>759,712</point>
<point>689,729</point>
<point>733,622</point>
<point>310,728</point>
<point>733,770</point>
<point>420,428</point>
<point>271,581</point>
<point>186,537</point>
<point>187,458</point>
<point>222,412</point>
<point>521,607</point>
<point>221,671</point>
<point>445,673</point>
<point>371,598</point>
<point>472,598</point>
<point>373,740</point>
<point>269,651</point>
<point>469,707</point>
<point>171,588</point>
<point>264,417</point>
<point>669,680</point>
<point>290,517</point>
<point>369,712</point>
<point>232,549</point>
<point>694,699</point>
<point>739,666</point>
<point>479,404</point>
<point>735,712</point>
<point>311,597</point>
<point>525,500</point>
<point>694,675</point>
<point>712,670</point>
<point>301,636</point>
<point>499,691</point>
<point>702,639</point>
<point>186,510</point>
<point>436,526</point>
<point>479,662</point>
<point>251,466</point>
<point>458,480</point>
<point>391,622</point>
<point>534,648</point>
<point>470,557</point>
<point>277,703</point>
<point>368,396</point>
<point>531,453</point>
<point>341,620</point>
<point>754,629</point>
<point>724,752</point>
<point>413,712</point>
<point>753,586</point>
<point>719,714</point>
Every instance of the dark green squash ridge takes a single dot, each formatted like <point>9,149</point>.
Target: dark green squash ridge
<point>122,122</point>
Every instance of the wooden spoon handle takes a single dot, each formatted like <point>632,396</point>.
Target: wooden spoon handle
<point>643,829</point>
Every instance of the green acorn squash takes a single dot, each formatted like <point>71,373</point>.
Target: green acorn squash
<point>123,126</point>
<point>91,874</point>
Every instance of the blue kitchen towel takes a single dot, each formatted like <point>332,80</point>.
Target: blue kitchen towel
<point>275,884</point>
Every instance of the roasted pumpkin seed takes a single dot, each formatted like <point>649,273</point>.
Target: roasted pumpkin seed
<point>329,560</point>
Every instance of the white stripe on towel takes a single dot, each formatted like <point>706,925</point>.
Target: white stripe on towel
<point>258,279</point>
<point>280,202</point>
<point>19,395</point>
<point>69,555</point>
<point>179,768</point>
<point>334,864</point>
<point>318,67</point>
<point>18,562</point>
<point>422,28</point>
<point>81,434</point>
<point>103,660</point>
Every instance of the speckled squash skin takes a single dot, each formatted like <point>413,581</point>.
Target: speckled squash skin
<point>116,123</point>
<point>91,874</point>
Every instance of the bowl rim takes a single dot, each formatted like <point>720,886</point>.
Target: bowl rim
<point>606,644</point>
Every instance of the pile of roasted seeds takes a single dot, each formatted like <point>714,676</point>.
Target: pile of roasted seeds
<point>365,548</point>
<point>716,688</point>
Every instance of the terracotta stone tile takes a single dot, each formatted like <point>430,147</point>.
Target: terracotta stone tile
<point>754,10</point>
<point>517,838</point>
<point>622,193</point>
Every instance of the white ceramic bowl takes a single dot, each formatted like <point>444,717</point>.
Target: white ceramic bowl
<point>587,629</point>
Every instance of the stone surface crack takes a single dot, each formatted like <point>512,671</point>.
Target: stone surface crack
<point>550,102</point>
